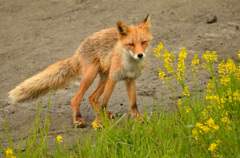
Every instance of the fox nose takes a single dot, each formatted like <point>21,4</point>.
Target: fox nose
<point>140,55</point>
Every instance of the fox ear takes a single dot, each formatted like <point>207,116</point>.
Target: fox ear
<point>146,22</point>
<point>122,28</point>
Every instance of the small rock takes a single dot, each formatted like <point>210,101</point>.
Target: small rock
<point>211,19</point>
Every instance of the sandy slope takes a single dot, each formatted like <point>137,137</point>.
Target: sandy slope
<point>35,34</point>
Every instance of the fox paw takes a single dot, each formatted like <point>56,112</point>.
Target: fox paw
<point>110,114</point>
<point>141,118</point>
<point>80,123</point>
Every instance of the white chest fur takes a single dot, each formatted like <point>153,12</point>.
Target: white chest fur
<point>132,68</point>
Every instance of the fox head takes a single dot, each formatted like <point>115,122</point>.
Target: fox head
<point>135,39</point>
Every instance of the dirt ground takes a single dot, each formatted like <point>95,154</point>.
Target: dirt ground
<point>35,34</point>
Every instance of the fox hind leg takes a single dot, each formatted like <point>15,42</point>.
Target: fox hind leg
<point>88,75</point>
<point>94,97</point>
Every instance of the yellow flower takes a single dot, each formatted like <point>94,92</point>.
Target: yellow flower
<point>198,124</point>
<point>204,65</point>
<point>230,66</point>
<point>168,61</point>
<point>59,139</point>
<point>179,102</point>
<point>158,50</point>
<point>181,64</point>
<point>204,113</point>
<point>196,137</point>
<point>195,61</point>
<point>186,92</point>
<point>213,98</point>
<point>187,109</point>
<point>161,73</point>
<point>9,152</point>
<point>210,122</point>
<point>210,57</point>
<point>218,141</point>
<point>158,55</point>
<point>155,50</point>
<point>222,68</point>
<point>212,147</point>
<point>214,56</point>
<point>194,131</point>
<point>225,120</point>
<point>236,96</point>
<point>183,53</point>
<point>237,74</point>
<point>160,46</point>
<point>206,129</point>
<point>229,92</point>
<point>216,127</point>
<point>226,113</point>
<point>95,125</point>
<point>225,80</point>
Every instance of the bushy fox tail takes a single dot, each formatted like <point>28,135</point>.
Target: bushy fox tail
<point>56,76</point>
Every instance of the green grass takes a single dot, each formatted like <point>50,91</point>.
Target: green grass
<point>203,124</point>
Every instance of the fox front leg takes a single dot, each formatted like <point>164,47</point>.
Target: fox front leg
<point>106,95</point>
<point>131,90</point>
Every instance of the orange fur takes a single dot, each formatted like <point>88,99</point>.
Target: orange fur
<point>115,54</point>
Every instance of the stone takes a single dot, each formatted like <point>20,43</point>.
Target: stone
<point>211,19</point>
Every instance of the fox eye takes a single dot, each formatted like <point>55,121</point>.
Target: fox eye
<point>143,42</point>
<point>131,44</point>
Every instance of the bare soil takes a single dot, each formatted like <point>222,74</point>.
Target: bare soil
<point>36,34</point>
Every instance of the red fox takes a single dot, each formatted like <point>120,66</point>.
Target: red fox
<point>115,54</point>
